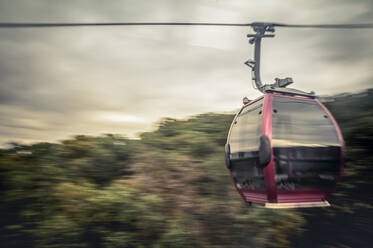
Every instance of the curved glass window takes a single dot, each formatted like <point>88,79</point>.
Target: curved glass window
<point>244,144</point>
<point>305,145</point>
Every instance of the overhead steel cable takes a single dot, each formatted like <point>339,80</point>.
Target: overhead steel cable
<point>331,26</point>
<point>88,24</point>
<point>47,25</point>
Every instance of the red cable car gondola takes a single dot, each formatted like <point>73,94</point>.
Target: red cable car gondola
<point>284,149</point>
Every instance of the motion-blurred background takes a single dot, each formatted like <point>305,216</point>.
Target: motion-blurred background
<point>88,159</point>
<point>170,188</point>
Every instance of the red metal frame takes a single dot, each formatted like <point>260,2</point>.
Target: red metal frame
<point>269,171</point>
<point>271,194</point>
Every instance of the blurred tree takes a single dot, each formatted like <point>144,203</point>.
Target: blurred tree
<point>171,189</point>
<point>100,160</point>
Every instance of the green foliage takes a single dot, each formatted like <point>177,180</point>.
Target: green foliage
<point>176,236</point>
<point>198,136</point>
<point>100,160</point>
<point>171,189</point>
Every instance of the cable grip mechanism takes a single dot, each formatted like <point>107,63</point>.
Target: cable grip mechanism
<point>261,30</point>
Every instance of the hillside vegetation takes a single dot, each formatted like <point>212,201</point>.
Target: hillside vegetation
<point>171,189</point>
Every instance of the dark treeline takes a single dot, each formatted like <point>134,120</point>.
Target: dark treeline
<point>171,189</point>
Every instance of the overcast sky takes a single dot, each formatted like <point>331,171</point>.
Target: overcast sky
<point>59,82</point>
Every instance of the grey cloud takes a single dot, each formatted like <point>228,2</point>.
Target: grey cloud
<point>54,82</point>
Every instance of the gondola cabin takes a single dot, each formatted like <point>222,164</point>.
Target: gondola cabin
<point>284,151</point>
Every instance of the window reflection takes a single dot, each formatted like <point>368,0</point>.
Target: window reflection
<point>244,143</point>
<point>305,145</point>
